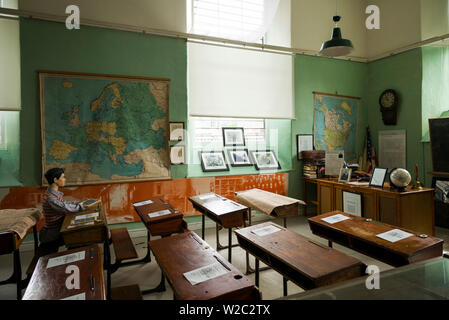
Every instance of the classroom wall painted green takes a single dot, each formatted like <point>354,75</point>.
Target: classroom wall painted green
<point>328,76</point>
<point>403,73</point>
<point>50,46</point>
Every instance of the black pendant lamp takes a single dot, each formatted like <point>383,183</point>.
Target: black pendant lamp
<point>337,46</point>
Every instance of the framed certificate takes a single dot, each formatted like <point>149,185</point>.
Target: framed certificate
<point>352,203</point>
<point>378,177</point>
<point>304,142</point>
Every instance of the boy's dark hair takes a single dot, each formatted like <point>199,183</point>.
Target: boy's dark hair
<point>53,173</point>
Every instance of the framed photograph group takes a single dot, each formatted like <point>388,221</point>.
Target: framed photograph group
<point>176,131</point>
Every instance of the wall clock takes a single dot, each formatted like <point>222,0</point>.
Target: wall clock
<point>389,101</point>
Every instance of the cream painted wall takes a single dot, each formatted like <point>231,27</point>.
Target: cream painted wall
<point>434,18</point>
<point>312,23</point>
<point>400,26</point>
<point>158,14</point>
<point>279,33</point>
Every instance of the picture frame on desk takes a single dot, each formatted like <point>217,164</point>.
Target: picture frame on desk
<point>345,175</point>
<point>304,142</point>
<point>378,177</point>
<point>352,203</point>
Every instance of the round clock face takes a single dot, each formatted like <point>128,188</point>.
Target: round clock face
<point>387,99</point>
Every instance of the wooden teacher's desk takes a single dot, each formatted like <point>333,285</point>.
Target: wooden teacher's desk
<point>223,212</point>
<point>360,234</point>
<point>413,209</point>
<point>299,259</point>
<point>57,276</point>
<point>186,252</point>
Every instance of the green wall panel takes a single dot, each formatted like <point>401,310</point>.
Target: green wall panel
<point>50,46</point>
<point>328,76</point>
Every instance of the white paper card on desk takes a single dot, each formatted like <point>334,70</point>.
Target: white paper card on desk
<point>159,213</point>
<point>87,216</point>
<point>142,203</point>
<point>335,218</point>
<point>265,231</point>
<point>205,273</point>
<point>81,225</point>
<point>206,196</point>
<point>394,235</point>
<point>68,258</point>
<point>81,296</point>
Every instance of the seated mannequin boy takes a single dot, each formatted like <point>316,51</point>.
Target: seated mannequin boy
<point>55,209</point>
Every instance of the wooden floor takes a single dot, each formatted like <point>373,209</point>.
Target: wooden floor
<point>148,276</point>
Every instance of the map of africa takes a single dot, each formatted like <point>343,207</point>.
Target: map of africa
<point>104,129</point>
<point>335,124</point>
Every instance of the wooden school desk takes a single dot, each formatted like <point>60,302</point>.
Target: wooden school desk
<point>359,234</point>
<point>159,222</point>
<point>15,223</point>
<point>185,252</point>
<point>49,283</point>
<point>223,212</point>
<point>299,259</point>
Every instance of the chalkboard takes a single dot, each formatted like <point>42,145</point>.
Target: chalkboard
<point>439,143</point>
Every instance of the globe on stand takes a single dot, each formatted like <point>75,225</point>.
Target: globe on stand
<point>399,179</point>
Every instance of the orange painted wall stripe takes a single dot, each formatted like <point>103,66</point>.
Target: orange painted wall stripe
<point>117,199</point>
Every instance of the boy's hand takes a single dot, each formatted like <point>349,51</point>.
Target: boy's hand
<point>91,205</point>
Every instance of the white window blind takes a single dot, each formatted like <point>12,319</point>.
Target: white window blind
<point>9,65</point>
<point>231,82</point>
<point>245,20</point>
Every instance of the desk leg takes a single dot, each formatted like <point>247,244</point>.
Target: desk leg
<point>18,272</point>
<point>284,280</point>
<point>160,287</point>
<point>230,244</point>
<point>285,222</point>
<point>330,244</point>
<point>107,265</point>
<point>257,273</point>
<point>36,242</point>
<point>203,222</point>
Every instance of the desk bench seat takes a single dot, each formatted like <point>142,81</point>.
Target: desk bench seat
<point>123,245</point>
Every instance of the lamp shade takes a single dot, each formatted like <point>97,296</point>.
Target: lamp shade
<point>337,46</point>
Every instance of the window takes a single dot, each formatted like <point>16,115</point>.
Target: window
<point>208,130</point>
<point>245,20</point>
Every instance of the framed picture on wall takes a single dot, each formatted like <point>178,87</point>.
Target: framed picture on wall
<point>213,161</point>
<point>233,137</point>
<point>304,142</point>
<point>239,158</point>
<point>265,160</point>
<point>177,155</point>
<point>176,131</point>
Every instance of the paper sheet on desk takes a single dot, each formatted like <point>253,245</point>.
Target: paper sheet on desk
<point>265,231</point>
<point>335,218</point>
<point>159,213</point>
<point>68,258</point>
<point>142,203</point>
<point>87,216</point>
<point>205,273</point>
<point>206,196</point>
<point>394,235</point>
